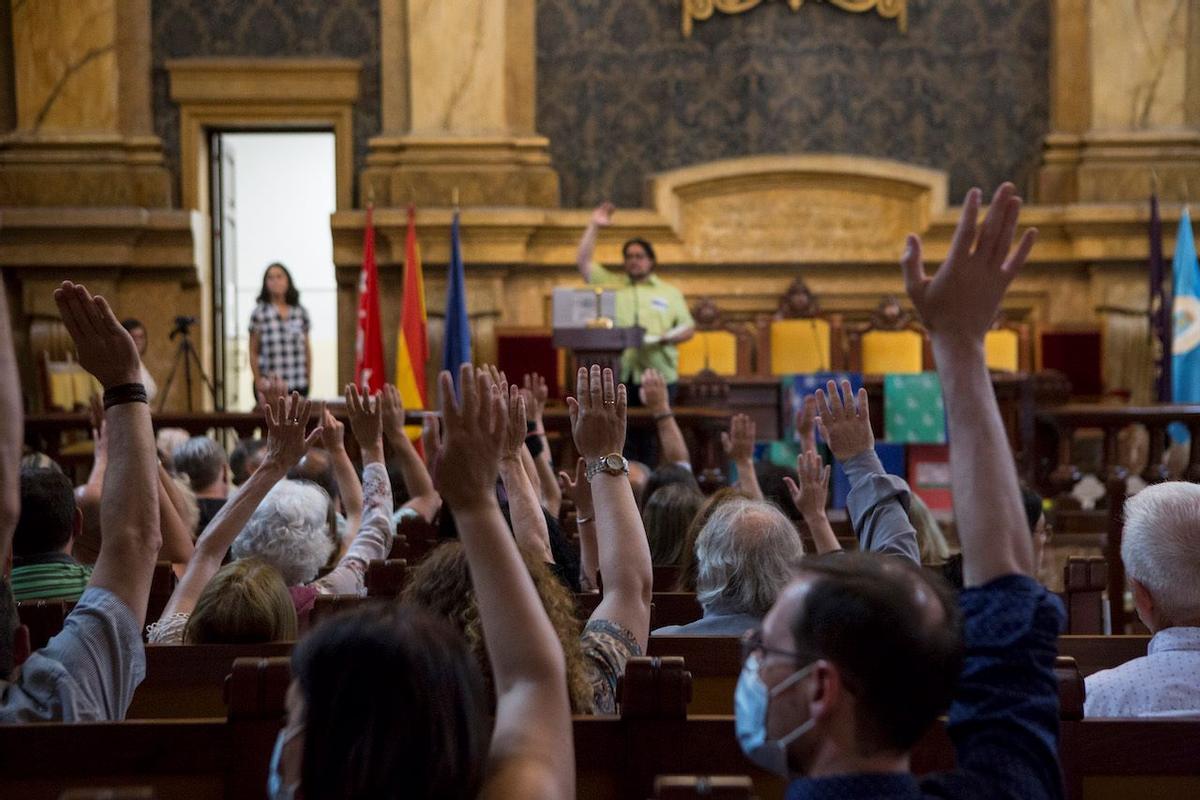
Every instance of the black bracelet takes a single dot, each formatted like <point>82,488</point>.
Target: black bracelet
<point>534,442</point>
<point>125,393</point>
<point>663,415</point>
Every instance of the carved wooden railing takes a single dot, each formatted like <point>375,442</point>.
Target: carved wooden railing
<point>1111,420</point>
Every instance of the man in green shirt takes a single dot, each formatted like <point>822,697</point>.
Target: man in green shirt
<point>49,521</point>
<point>643,300</point>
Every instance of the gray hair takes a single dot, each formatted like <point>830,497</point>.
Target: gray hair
<point>746,554</point>
<point>1161,547</point>
<point>202,459</point>
<point>289,530</point>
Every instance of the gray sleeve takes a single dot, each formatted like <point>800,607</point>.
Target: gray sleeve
<point>101,648</point>
<point>878,508</point>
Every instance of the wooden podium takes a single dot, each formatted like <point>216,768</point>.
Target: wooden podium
<point>601,346</point>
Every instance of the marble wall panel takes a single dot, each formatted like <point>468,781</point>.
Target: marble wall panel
<point>1140,63</point>
<point>65,64</point>
<point>266,29</point>
<point>622,94</point>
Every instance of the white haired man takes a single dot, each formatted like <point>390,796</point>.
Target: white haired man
<point>1161,551</point>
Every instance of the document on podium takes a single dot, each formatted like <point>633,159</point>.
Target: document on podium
<point>576,308</point>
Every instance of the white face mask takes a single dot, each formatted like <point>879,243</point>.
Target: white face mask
<point>751,701</point>
<point>275,788</point>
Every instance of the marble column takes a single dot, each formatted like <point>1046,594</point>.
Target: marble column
<point>458,94</point>
<point>1126,101</point>
<point>80,132</point>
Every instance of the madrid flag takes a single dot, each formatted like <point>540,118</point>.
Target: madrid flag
<point>368,343</point>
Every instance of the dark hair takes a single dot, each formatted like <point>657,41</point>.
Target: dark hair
<point>688,566</point>
<point>649,248</point>
<point>202,459</point>
<point>132,323</point>
<point>667,516</point>
<point>47,517</point>
<point>900,662</point>
<point>292,297</point>
<point>395,472</point>
<point>666,475</point>
<point>9,622</point>
<point>394,707</point>
<point>317,466</point>
<point>245,450</point>
<point>770,480</point>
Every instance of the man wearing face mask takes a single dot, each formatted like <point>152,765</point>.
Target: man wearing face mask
<point>860,654</point>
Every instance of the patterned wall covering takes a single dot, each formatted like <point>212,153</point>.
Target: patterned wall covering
<point>264,29</point>
<point>622,94</point>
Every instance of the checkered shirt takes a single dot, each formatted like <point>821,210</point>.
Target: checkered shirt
<point>281,343</point>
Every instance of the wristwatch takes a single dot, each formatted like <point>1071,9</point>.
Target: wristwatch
<point>613,464</point>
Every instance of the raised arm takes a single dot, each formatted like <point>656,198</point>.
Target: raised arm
<point>423,498</point>
<point>532,751</point>
<point>286,443</point>
<point>878,502</point>
<point>601,218</point>
<point>536,393</point>
<point>177,545</point>
<point>528,521</point>
<point>579,491</point>
<point>809,497</point>
<point>333,439</point>
<point>654,396</point>
<point>129,503</point>
<point>598,426</point>
<point>739,448</point>
<point>958,305</point>
<point>374,536</point>
<point>12,433</point>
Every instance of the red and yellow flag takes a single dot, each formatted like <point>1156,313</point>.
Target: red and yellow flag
<point>412,350</point>
<point>368,342</point>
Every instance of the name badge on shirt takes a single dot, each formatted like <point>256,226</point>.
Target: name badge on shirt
<point>660,304</point>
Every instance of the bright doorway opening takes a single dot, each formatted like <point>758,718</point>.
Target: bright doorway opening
<point>272,195</point>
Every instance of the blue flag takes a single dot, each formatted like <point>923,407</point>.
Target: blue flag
<point>1185,347</point>
<point>457,347</point>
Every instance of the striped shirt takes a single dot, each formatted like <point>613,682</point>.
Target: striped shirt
<point>49,575</point>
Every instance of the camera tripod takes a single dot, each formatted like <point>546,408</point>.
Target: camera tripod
<point>185,353</point>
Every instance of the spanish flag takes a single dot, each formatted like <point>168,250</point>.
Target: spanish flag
<point>412,350</point>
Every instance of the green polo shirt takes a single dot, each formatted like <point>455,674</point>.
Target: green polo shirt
<point>656,306</point>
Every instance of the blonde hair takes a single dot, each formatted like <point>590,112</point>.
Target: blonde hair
<point>441,583</point>
<point>245,602</point>
<point>930,540</point>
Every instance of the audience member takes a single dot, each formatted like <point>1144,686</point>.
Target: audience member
<point>203,461</point>
<point>1039,530</point>
<point>246,602</point>
<point>90,669</point>
<point>43,566</point>
<point>668,475</point>
<point>667,516</point>
<point>1161,550</point>
<point>931,542</point>
<point>363,716</point>
<point>141,340</point>
<point>292,529</point>
<point>246,457</point>
<point>860,654</point>
<point>688,566</point>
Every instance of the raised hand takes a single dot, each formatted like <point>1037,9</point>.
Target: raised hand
<point>270,388</point>
<point>809,494</point>
<point>653,392</point>
<point>286,421</point>
<point>959,303</point>
<point>578,489</point>
<point>514,442</point>
<point>393,412</point>
<point>366,422</point>
<point>333,432</point>
<point>806,423</point>
<point>739,441</point>
<point>597,413</point>
<point>474,435</point>
<point>602,214</point>
<point>105,349</point>
<point>536,394</point>
<point>845,426</point>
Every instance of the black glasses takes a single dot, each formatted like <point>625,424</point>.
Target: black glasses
<point>752,644</point>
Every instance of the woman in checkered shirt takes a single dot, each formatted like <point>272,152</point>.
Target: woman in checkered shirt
<point>279,343</point>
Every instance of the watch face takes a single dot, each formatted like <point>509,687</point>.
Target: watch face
<point>613,462</point>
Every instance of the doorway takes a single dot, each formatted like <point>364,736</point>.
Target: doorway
<point>272,194</point>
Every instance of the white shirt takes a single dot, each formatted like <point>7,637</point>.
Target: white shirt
<point>1164,682</point>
